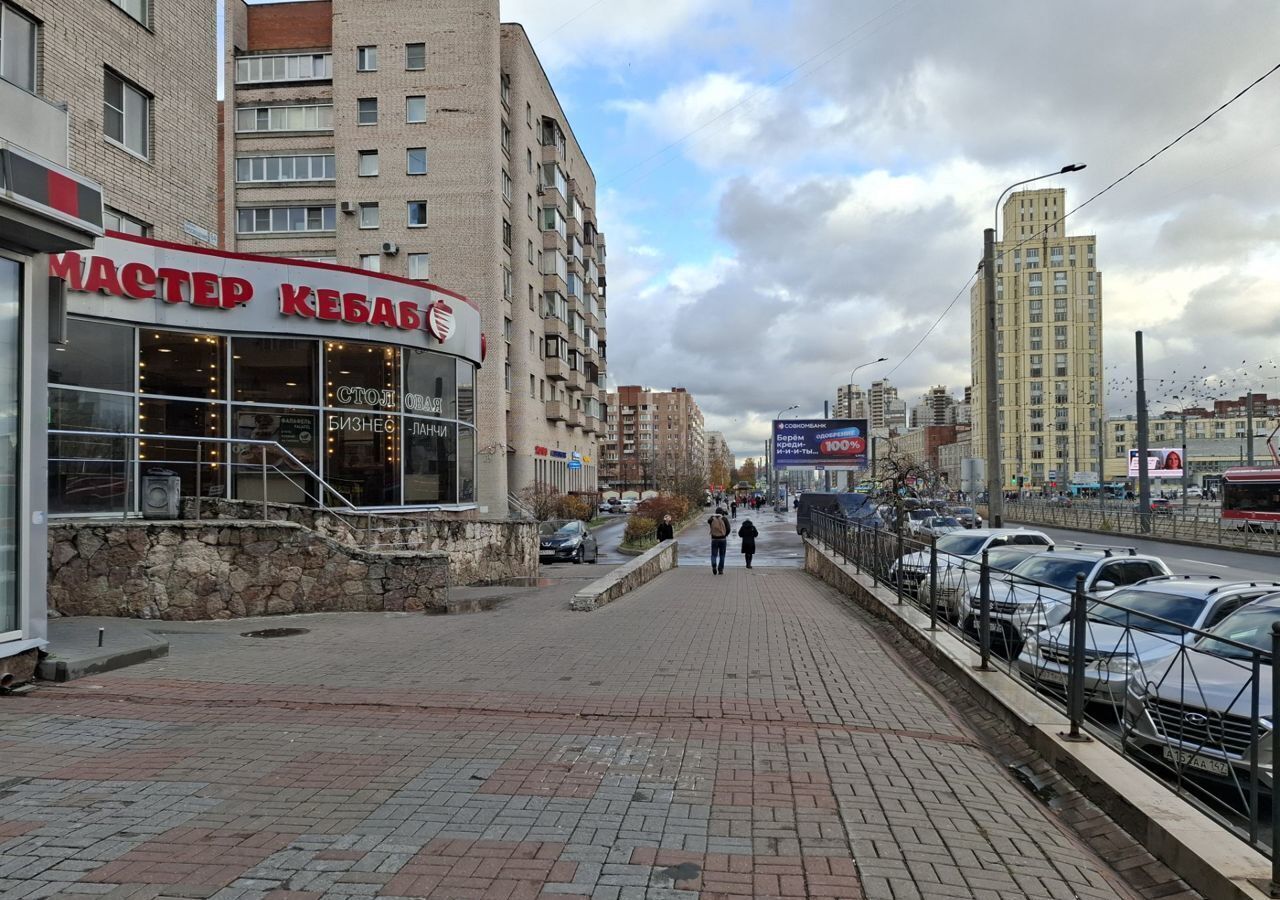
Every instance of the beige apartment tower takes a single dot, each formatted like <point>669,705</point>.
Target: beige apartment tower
<point>652,439</point>
<point>433,148</point>
<point>1048,344</point>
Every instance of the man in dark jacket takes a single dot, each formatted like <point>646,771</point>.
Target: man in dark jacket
<point>748,533</point>
<point>665,530</point>
<point>720,528</point>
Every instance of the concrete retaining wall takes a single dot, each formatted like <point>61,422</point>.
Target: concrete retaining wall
<point>1196,848</point>
<point>641,570</point>
<point>228,569</point>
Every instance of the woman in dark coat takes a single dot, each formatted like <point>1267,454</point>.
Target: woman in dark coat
<point>748,534</point>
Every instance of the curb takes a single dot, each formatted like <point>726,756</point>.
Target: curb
<point>53,668</point>
<point>1193,846</point>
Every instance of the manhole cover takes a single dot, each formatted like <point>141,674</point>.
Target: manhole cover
<point>274,632</point>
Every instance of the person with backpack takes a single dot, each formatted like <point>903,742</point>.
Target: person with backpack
<point>748,533</point>
<point>719,525</point>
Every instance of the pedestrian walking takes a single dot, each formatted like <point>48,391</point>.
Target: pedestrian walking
<point>720,528</point>
<point>748,533</point>
<point>733,509</point>
<point>665,530</point>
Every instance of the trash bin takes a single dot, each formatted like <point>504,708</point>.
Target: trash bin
<point>161,494</point>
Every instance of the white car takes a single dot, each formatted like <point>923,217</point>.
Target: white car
<point>956,548</point>
<point>1195,492</point>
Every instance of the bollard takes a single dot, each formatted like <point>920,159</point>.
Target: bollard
<point>101,632</point>
<point>898,579</point>
<point>1075,673</point>
<point>1275,754</point>
<point>984,613</point>
<point>933,587</point>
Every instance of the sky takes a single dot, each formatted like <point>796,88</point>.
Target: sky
<point>791,189</point>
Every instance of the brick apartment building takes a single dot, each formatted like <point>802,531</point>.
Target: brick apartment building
<point>432,147</point>
<point>651,438</point>
<point>921,444</point>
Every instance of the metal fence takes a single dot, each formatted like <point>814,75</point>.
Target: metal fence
<point>1194,707</point>
<point>1198,522</point>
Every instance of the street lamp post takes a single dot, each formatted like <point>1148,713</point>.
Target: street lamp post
<point>870,436</point>
<point>995,478</point>
<point>777,479</point>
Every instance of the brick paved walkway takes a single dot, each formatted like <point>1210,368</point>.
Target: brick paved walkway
<point>702,738</point>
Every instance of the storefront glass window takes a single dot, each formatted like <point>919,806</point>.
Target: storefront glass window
<point>466,465</point>
<point>275,370</point>
<point>466,391</point>
<point>429,384</point>
<point>296,430</point>
<point>362,457</point>
<point>87,474</point>
<point>361,376</point>
<point>181,365</point>
<point>431,469</point>
<point>97,355</point>
<point>10,353</point>
<point>183,418</point>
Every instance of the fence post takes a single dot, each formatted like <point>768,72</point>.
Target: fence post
<point>263,448</point>
<point>984,613</point>
<point>128,468</point>
<point>199,445</point>
<point>899,567</point>
<point>1275,754</point>
<point>1254,734</point>
<point>933,587</point>
<point>1075,673</point>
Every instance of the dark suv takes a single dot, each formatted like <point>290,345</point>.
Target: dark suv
<point>855,508</point>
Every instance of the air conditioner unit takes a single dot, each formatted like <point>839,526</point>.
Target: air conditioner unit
<point>347,206</point>
<point>389,248</point>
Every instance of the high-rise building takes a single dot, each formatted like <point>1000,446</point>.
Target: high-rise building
<point>1048,343</point>
<point>433,148</point>
<point>851,402</point>
<point>720,458</point>
<point>653,439</point>
<point>879,405</point>
<point>935,407</point>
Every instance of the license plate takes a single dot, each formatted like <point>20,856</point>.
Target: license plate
<point>1196,761</point>
<point>1051,675</point>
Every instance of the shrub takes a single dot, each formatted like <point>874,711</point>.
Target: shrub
<point>570,506</point>
<point>673,505</point>
<point>639,529</point>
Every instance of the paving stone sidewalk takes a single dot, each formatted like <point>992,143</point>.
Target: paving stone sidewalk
<point>705,737</point>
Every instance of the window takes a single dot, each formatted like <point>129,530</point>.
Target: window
<point>1093,280</point>
<point>1033,258</point>
<point>1059,282</point>
<point>528,205</point>
<point>420,266</point>
<point>415,109</point>
<point>506,332</point>
<point>318,117</point>
<point>1036,313</point>
<point>126,112</point>
<point>415,57</point>
<point>507,286</point>
<point>417,213</point>
<point>318,167</point>
<point>366,59</point>
<point>508,225</point>
<point>506,234</point>
<point>1060,309</point>
<point>1035,284</point>
<point>292,67</point>
<point>370,215</point>
<point>137,9</point>
<point>114,220</point>
<point>533,386</point>
<point>1037,366</point>
<point>17,48</point>
<point>284,219</point>
<point>368,164</point>
<point>506,376</point>
<point>371,262</point>
<point>1060,337</point>
<point>367,111</point>
<point>415,162</point>
<point>1060,364</point>
<point>528,160</point>
<point>506,186</point>
<point>528,115</point>
<point>504,89</point>
<point>1036,338</point>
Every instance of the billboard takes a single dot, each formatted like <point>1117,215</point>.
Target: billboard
<point>1165,462</point>
<point>832,443</point>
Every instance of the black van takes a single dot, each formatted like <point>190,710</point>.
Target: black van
<point>851,507</point>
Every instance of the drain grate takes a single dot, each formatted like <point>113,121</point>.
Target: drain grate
<point>275,632</point>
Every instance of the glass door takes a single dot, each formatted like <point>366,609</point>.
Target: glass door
<point>10,444</point>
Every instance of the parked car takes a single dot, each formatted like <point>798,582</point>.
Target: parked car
<point>1194,711</point>
<point>916,519</point>
<point>967,516</point>
<point>572,540</point>
<point>1161,506</point>
<point>628,506</point>
<point>937,526</point>
<point>1037,592</point>
<point>1195,492</point>
<point>850,507</point>
<point>951,595</point>
<point>1134,628</point>
<point>955,548</point>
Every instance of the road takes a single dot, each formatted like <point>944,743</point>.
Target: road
<point>1181,558</point>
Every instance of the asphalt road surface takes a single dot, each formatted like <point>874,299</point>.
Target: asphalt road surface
<point>1181,558</point>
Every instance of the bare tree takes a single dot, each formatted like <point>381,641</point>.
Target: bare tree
<point>900,474</point>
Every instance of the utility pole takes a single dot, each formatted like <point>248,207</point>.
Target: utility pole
<point>1186,466</point>
<point>1248,412</point>
<point>1102,482</point>
<point>1144,477</point>
<point>826,472</point>
<point>991,391</point>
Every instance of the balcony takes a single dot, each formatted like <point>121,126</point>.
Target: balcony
<point>553,327</point>
<point>554,282</point>
<point>557,410</point>
<point>590,424</point>
<point>572,417</point>
<point>576,380</point>
<point>557,368</point>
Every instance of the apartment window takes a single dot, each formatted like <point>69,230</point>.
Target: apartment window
<point>114,220</point>
<point>1060,365</point>
<point>506,377</point>
<point>506,138</point>
<point>508,224</point>
<point>126,113</point>
<point>416,213</point>
<point>506,186</point>
<point>420,266</point>
<point>506,332</point>
<point>506,234</point>
<point>1093,281</point>
<point>1071,256</point>
<point>504,89</point>
<point>1036,312</point>
<point>415,109</point>
<point>1060,337</point>
<point>1036,338</point>
<point>532,302</point>
<point>366,59</point>
<point>1037,366</point>
<point>1035,284</point>
<point>371,262</point>
<point>528,205</point>
<point>318,117</point>
<point>367,111</point>
<point>1059,282</point>
<point>1060,309</point>
<point>415,57</point>
<point>137,9</point>
<point>284,219</point>
<point>17,48</point>
<point>508,286</point>
<point>368,163</point>
<point>533,344</point>
<point>370,215</point>
<point>1055,256</point>
<point>528,160</point>
<point>415,161</point>
<point>1033,258</point>
<point>533,387</point>
<point>528,115</point>
<point>291,67</point>
<point>318,167</point>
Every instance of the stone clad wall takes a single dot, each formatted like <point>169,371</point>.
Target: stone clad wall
<point>229,569</point>
<point>481,551</point>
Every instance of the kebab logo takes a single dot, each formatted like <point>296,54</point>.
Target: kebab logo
<point>440,320</point>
